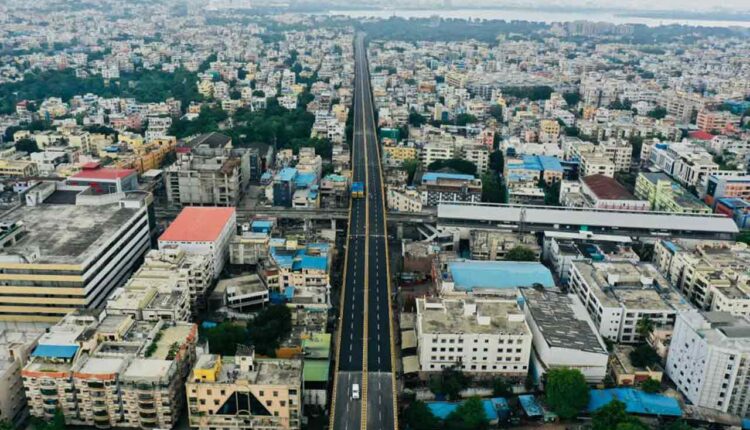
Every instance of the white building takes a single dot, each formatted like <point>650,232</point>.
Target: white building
<point>709,360</point>
<point>618,294</point>
<point>203,230</point>
<point>478,336</point>
<point>563,334</point>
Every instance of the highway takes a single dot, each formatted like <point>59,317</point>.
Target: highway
<point>364,354</point>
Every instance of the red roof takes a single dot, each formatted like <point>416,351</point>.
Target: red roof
<point>606,188</point>
<point>103,173</point>
<point>198,224</point>
<point>701,135</point>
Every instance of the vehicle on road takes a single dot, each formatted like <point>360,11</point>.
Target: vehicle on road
<point>355,391</point>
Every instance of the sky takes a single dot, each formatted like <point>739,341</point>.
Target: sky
<point>683,5</point>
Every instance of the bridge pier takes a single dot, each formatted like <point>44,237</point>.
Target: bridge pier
<point>399,231</point>
<point>333,224</point>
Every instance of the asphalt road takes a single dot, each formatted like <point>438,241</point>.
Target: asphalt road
<point>365,344</point>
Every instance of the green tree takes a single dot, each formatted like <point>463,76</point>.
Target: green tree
<point>464,118</point>
<point>416,119</point>
<point>419,417</point>
<point>744,237</point>
<point>501,387</point>
<point>566,392</point>
<point>411,167</point>
<point>496,111</point>
<point>224,338</point>
<point>469,415</point>
<point>492,188</point>
<point>520,253</point>
<point>572,99</point>
<point>27,145</point>
<point>678,425</point>
<point>658,113</point>
<point>497,161</point>
<point>644,356</point>
<point>6,425</point>
<point>651,386</point>
<point>449,382</point>
<point>644,327</point>
<point>57,422</point>
<point>457,164</point>
<point>269,328</point>
<point>609,416</point>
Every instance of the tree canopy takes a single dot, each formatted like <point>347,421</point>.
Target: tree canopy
<point>469,415</point>
<point>566,392</point>
<point>419,417</point>
<point>269,328</point>
<point>449,382</point>
<point>457,164</point>
<point>224,338</point>
<point>521,253</point>
<point>644,356</point>
<point>613,416</point>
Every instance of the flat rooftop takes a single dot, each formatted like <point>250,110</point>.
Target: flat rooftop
<point>469,274</point>
<point>452,317</point>
<point>562,324</point>
<point>64,234</point>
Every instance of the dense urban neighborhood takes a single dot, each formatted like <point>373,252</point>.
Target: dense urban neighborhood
<point>221,215</point>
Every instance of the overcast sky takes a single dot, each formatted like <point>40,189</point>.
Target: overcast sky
<point>743,5</point>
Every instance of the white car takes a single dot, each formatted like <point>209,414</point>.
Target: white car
<point>355,391</point>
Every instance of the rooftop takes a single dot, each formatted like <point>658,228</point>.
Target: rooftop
<point>606,188</point>
<point>64,234</point>
<point>198,224</point>
<point>104,173</point>
<point>435,176</point>
<point>470,316</point>
<point>562,321</point>
<point>469,274</point>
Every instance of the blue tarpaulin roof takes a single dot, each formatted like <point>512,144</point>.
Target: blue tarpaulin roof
<point>636,402</point>
<point>434,176</point>
<point>286,174</point>
<point>493,408</point>
<point>305,180</point>
<point>530,406</point>
<point>468,275</point>
<point>55,351</point>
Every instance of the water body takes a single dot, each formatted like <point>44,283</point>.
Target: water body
<point>536,16</point>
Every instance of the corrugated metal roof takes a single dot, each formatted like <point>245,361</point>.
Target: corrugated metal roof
<point>588,217</point>
<point>55,351</point>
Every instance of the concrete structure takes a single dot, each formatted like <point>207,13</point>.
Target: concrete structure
<point>603,192</point>
<point>248,248</point>
<point>689,165</point>
<point>494,245</point>
<point>477,336</point>
<point>16,343</point>
<point>719,187</point>
<point>243,293</point>
<point>204,231</point>
<point>245,393</point>
<point>619,294</point>
<point>439,187</point>
<point>563,334</point>
<point>105,180</point>
<point>68,249</point>
<point>208,171</point>
<point>709,360</point>
<point>562,249</point>
<point>111,371</point>
<point>712,275</point>
<point>301,272</point>
<point>665,195</point>
<point>403,199</point>
<point>625,373</point>
<point>532,168</point>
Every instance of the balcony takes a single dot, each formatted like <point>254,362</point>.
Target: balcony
<point>147,406</point>
<point>48,391</point>
<point>96,385</point>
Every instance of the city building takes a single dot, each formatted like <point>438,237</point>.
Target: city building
<point>403,199</point>
<point>204,231</point>
<point>439,187</point>
<point>719,187</point>
<point>243,392</point>
<point>494,245</point>
<point>603,192</point>
<point>300,272</point>
<point>111,371</point>
<point>16,345</point>
<point>665,195</point>
<point>284,187</point>
<point>709,360</point>
<point>208,171</point>
<point>563,334</point>
<point>459,276</point>
<point>242,293</point>
<point>477,336</point>
<point>736,208</point>
<point>105,180</point>
<point>532,168</point>
<point>619,294</point>
<point>67,248</point>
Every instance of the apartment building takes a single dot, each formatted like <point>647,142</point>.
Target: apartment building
<point>438,150</point>
<point>170,285</point>
<point>712,121</point>
<point>68,249</point>
<point>549,131</point>
<point>439,187</point>
<point>592,163</point>
<point>603,192</point>
<point>301,272</point>
<point>709,360</point>
<point>397,154</point>
<point>683,106</point>
<point>477,336</point>
<point>578,346</point>
<point>665,195</point>
<point>208,171</point>
<point>16,168</point>
<point>204,231</point>
<point>243,392</point>
<point>494,245</point>
<point>248,248</point>
<point>561,249</point>
<point>712,275</point>
<point>477,154</point>
<point>403,199</point>
<point>619,294</point>
<point>529,169</point>
<point>111,371</point>
<point>726,186</point>
<point>687,164</point>
<point>16,345</point>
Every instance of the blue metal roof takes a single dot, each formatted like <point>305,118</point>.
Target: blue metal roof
<point>493,408</point>
<point>286,174</point>
<point>312,262</point>
<point>530,406</point>
<point>636,402</point>
<point>55,351</point>
<point>305,180</point>
<point>434,176</point>
<point>469,274</point>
